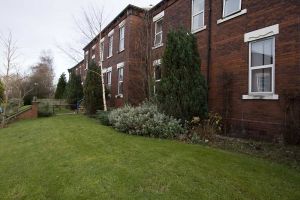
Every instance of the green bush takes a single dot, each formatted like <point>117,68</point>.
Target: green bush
<point>103,117</point>
<point>145,120</point>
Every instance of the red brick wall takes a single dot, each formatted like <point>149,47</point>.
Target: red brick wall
<point>30,114</point>
<point>229,54</point>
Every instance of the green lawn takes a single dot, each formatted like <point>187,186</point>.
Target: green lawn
<point>73,157</point>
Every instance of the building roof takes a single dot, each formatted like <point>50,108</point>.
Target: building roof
<point>69,70</point>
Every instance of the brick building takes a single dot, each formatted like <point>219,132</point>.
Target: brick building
<point>79,70</point>
<point>249,49</point>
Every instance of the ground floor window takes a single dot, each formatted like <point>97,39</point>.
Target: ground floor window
<point>157,73</point>
<point>109,80</point>
<point>261,69</point>
<point>120,80</point>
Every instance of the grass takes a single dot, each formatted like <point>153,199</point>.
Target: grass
<point>73,157</point>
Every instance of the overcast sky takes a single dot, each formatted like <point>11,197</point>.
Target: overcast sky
<point>42,24</point>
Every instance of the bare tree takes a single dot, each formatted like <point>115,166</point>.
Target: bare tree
<point>10,53</point>
<point>89,25</point>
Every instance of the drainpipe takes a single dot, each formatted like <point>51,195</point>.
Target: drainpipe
<point>209,50</point>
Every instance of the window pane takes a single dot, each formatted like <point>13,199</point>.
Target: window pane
<point>158,39</point>
<point>120,70</point>
<point>102,50</point>
<point>121,44</point>
<point>198,21</point>
<point>120,88</point>
<point>262,53</point>
<point>198,6</point>
<point>231,6</point>
<point>257,54</point>
<point>159,26</point>
<point>157,72</point>
<point>109,78</point>
<point>268,52</point>
<point>110,45</point>
<point>262,80</point>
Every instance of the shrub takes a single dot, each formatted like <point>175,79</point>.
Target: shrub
<point>103,117</point>
<point>145,120</point>
<point>204,129</point>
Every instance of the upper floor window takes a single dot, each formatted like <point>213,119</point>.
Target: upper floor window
<point>122,39</point>
<point>110,45</point>
<point>231,6</point>
<point>197,14</point>
<point>158,33</point>
<point>108,80</point>
<point>86,59</point>
<point>101,51</point>
<point>262,65</point>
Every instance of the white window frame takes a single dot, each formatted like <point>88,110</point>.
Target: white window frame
<point>86,60</point>
<point>272,66</point>
<point>122,39</point>
<point>109,75</point>
<point>155,64</point>
<point>193,29</point>
<point>120,66</point>
<point>240,8</point>
<point>110,45</point>
<point>156,34</point>
<point>267,32</point>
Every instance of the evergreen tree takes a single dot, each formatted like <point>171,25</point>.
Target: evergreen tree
<point>74,89</point>
<point>61,87</point>
<point>93,99</point>
<point>182,92</point>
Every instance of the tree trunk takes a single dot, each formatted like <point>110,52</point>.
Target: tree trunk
<point>102,78</point>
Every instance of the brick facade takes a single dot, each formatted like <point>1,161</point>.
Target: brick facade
<point>224,53</point>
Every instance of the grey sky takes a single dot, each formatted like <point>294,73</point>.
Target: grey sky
<point>41,24</point>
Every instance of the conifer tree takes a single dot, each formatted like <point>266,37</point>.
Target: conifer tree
<point>93,99</point>
<point>182,92</point>
<point>61,87</point>
<point>74,89</point>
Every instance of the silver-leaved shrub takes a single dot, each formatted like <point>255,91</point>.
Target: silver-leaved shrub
<point>145,120</point>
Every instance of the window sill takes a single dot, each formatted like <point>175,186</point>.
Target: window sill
<point>109,57</point>
<point>158,46</point>
<point>261,97</point>
<point>119,96</point>
<point>242,12</point>
<point>199,30</point>
<point>120,51</point>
